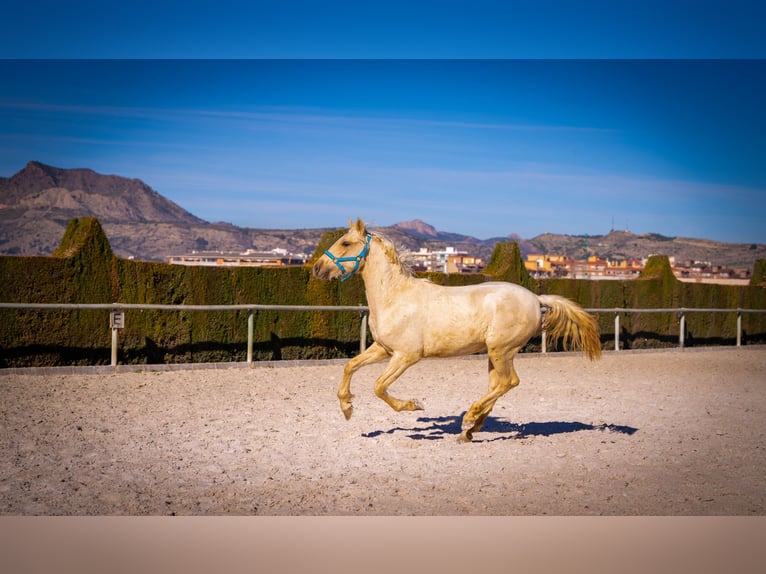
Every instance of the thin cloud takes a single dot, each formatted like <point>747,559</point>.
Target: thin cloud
<point>294,116</point>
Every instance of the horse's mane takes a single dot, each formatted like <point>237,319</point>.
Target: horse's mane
<point>402,260</point>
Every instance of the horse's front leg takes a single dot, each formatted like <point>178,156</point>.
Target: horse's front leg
<point>373,354</point>
<point>399,363</point>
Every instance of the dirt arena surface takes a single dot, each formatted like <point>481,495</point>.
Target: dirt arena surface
<point>637,433</point>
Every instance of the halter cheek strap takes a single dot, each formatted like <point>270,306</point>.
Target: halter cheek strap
<point>356,259</point>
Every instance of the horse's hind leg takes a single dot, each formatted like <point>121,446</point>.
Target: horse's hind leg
<point>399,363</point>
<point>494,381</point>
<point>373,354</point>
<point>502,378</point>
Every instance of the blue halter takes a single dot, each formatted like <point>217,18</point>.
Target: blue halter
<point>357,259</point>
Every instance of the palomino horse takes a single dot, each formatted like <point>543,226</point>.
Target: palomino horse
<point>412,318</point>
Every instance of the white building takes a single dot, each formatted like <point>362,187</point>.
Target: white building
<point>449,260</point>
<point>249,258</point>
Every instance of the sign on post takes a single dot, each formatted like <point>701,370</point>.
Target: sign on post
<point>117,320</point>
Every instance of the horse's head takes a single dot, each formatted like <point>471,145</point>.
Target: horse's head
<point>346,256</point>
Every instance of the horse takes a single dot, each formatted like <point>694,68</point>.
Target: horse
<point>411,318</point>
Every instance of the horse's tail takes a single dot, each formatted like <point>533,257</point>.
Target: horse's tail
<point>566,320</point>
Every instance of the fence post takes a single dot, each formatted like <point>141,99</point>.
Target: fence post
<point>682,329</point>
<point>739,328</point>
<point>363,332</point>
<point>617,331</point>
<point>116,322</point>
<point>250,323</point>
<point>114,346</point>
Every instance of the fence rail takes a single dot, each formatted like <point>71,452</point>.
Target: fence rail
<point>116,322</point>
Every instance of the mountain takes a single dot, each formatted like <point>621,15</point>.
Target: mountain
<point>109,198</point>
<point>37,203</point>
<point>417,228</point>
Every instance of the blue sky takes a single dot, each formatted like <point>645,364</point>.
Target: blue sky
<point>383,29</point>
<point>494,145</point>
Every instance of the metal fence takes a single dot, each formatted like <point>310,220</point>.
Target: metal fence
<point>116,317</point>
<point>681,311</point>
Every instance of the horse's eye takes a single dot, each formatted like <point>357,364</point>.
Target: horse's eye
<point>345,244</point>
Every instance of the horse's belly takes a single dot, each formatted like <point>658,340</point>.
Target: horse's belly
<point>455,337</point>
<point>455,350</point>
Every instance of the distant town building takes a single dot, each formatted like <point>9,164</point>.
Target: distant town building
<point>249,258</point>
<point>702,271</point>
<point>547,266</point>
<point>447,261</point>
<point>624,268</point>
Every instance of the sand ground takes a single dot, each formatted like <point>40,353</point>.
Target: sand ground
<point>637,433</point>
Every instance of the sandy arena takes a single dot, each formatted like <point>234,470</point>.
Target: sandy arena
<point>637,433</point>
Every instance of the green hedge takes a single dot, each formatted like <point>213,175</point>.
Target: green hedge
<point>84,270</point>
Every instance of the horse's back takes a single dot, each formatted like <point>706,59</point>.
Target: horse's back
<point>495,292</point>
<point>490,297</point>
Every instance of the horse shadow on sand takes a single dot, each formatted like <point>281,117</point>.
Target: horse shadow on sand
<point>438,428</point>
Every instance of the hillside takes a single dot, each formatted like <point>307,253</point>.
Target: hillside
<point>37,202</point>
<point>623,245</point>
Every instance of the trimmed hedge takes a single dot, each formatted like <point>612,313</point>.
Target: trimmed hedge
<point>84,270</point>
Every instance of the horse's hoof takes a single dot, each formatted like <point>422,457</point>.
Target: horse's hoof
<point>416,405</point>
<point>347,410</point>
<point>465,436</point>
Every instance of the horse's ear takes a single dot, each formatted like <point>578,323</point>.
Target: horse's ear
<point>358,226</point>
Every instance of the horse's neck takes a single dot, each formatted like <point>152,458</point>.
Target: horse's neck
<point>383,280</point>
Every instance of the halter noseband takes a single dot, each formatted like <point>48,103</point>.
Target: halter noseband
<point>356,259</point>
